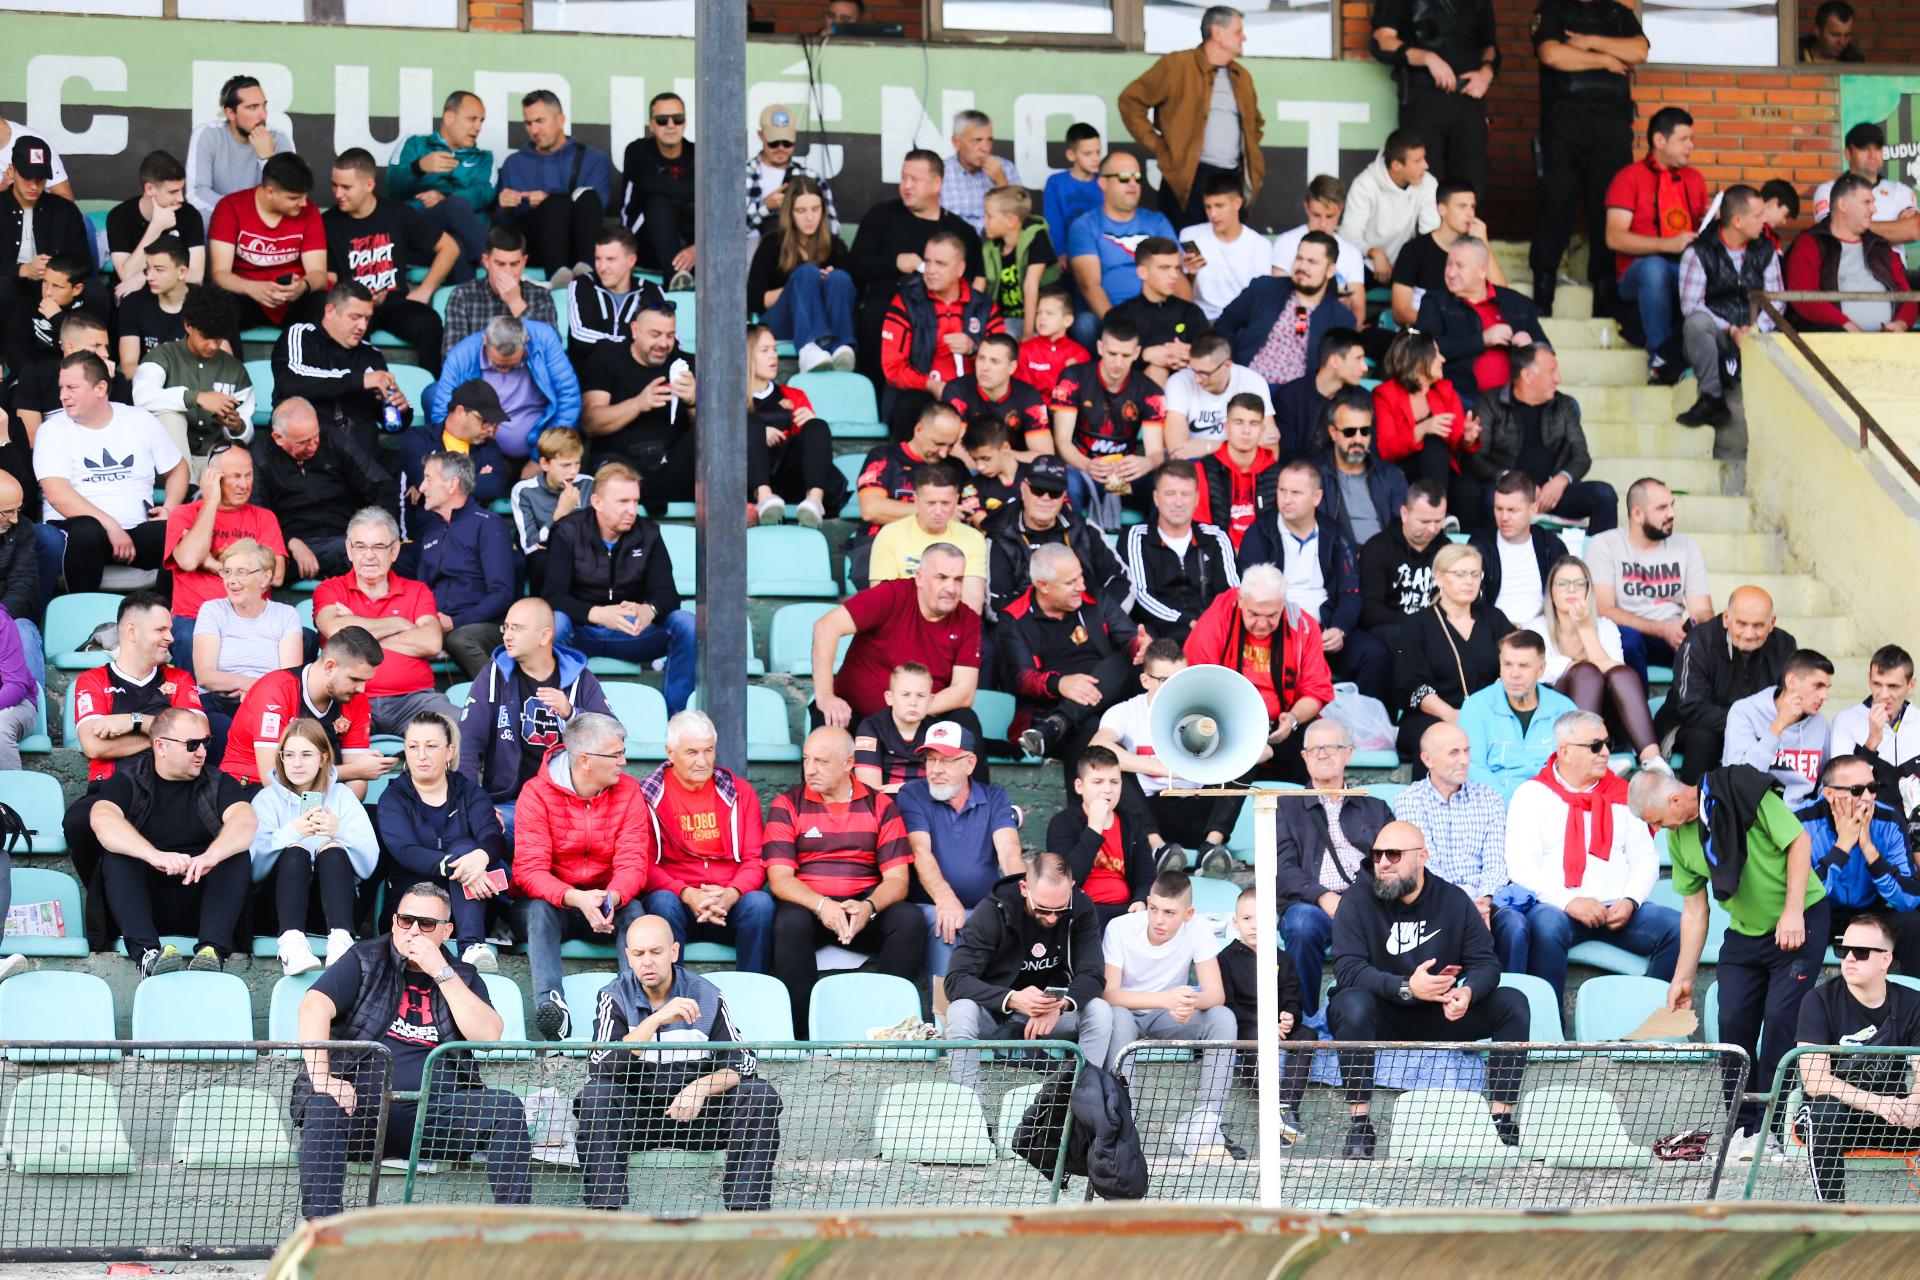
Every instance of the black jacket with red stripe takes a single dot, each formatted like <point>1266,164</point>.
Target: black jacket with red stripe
<point>1231,498</point>
<point>1035,650</point>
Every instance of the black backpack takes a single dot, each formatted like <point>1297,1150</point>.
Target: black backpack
<point>1103,1145</point>
<point>14,831</point>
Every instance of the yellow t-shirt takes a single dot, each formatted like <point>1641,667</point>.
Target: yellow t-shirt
<point>897,548</point>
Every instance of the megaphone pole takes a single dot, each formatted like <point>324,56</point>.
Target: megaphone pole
<point>1266,870</point>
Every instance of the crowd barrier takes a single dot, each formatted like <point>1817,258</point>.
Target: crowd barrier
<point>1866,1157</point>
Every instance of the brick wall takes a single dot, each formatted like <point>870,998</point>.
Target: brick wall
<point>1751,125</point>
<point>787,15</point>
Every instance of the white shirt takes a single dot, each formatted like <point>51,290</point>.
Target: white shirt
<point>1205,412</point>
<point>1558,662</point>
<point>1306,585</point>
<point>1130,723</point>
<point>1890,199</point>
<point>17,131</point>
<point>1899,742</point>
<point>1145,967</point>
<point>1230,267</point>
<point>114,466</point>
<point>1520,588</point>
<point>1536,835</point>
<point>1350,266</point>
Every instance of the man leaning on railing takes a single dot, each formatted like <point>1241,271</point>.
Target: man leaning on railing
<point>402,990</point>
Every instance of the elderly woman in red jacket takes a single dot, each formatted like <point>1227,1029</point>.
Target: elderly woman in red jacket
<point>1420,424</point>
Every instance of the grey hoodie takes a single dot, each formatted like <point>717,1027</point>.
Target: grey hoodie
<point>1795,757</point>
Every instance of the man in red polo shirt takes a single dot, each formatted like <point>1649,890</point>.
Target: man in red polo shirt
<point>266,245</point>
<point>919,619</point>
<point>398,612</point>
<point>331,691</point>
<point>198,531</point>
<point>1654,208</point>
<point>932,330</point>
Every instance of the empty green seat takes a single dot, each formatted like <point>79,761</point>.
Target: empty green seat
<point>643,711</point>
<point>582,994</point>
<point>42,806</point>
<point>56,1004</point>
<point>1386,792</point>
<point>193,1006</point>
<point>790,643</point>
<point>283,1008</point>
<point>932,1122</point>
<point>849,464</point>
<point>769,731</point>
<point>761,1008</point>
<point>260,374</point>
<point>1446,1129</point>
<point>1215,897</point>
<point>1013,1106</point>
<point>71,620</point>
<point>1543,1007</point>
<point>39,742</point>
<point>503,993</point>
<point>846,1005</point>
<point>789,560</point>
<point>458,694</point>
<point>845,400</point>
<point>66,1123</point>
<point>226,1127</point>
<point>1572,1128</point>
<point>995,710</point>
<point>416,384</point>
<point>1611,1006</point>
<point>32,885</point>
<point>683,547</point>
<point>1379,758</point>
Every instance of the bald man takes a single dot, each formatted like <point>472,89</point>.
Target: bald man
<point>1466,828</point>
<point>517,707</point>
<point>1415,962</point>
<point>839,867</point>
<point>1475,338</point>
<point>21,567</point>
<point>686,1091</point>
<point>1721,661</point>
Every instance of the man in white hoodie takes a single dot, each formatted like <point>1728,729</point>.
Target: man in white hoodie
<point>1781,729</point>
<point>1391,202</point>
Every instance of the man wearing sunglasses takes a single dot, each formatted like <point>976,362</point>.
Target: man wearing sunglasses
<point>1860,854</point>
<point>660,178</point>
<point>1415,962</point>
<point>777,165</point>
<point>1358,491</point>
<point>1101,243</point>
<point>1026,966</point>
<point>403,991</point>
<point>1858,1101</point>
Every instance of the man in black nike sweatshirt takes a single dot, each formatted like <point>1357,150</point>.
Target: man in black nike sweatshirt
<point>1415,962</point>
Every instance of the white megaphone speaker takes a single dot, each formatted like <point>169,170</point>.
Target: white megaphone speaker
<point>1208,723</point>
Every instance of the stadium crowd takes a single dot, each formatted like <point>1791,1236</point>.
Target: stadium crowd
<point>1125,433</point>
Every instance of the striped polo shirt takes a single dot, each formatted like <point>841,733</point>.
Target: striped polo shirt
<point>839,850</point>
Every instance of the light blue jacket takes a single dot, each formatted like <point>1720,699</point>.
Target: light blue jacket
<point>1504,755</point>
<point>546,361</point>
<point>276,808</point>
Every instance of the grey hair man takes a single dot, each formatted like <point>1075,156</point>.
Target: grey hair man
<point>973,169</point>
<point>398,612</point>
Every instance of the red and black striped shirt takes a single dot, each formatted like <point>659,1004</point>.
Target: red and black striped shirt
<point>839,850</point>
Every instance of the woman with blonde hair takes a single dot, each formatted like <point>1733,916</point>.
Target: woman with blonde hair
<point>1446,651</point>
<point>1585,660</point>
<point>241,635</point>
<point>313,829</point>
<point>801,281</point>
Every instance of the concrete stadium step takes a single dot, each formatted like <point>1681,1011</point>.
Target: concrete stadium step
<point>1581,335</point>
<point>1701,513</point>
<point>1689,476</point>
<point>1743,554</point>
<point>1830,633</point>
<point>1631,401</point>
<point>1570,301</point>
<point>1801,594</point>
<point>1625,439</point>
<point>1613,367</point>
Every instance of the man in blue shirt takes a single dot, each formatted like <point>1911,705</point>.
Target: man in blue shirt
<point>965,837</point>
<point>466,558</point>
<point>1860,854</point>
<point>1510,724</point>
<point>1101,242</point>
<point>555,191</point>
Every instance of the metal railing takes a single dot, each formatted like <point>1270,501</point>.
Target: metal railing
<point>1836,1150</point>
<point>1765,303</point>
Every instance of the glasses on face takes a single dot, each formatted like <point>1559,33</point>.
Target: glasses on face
<point>361,548</point>
<point>239,571</point>
<point>1051,913</point>
<point>1848,952</point>
<point>1325,749</point>
<point>1129,178</point>
<point>191,744</point>
<point>1598,746</point>
<point>1392,857</point>
<point>1349,433</point>
<point>1198,372</point>
<point>677,117</point>
<point>772,146</point>
<point>1857,790</point>
<point>606,755</point>
<point>1571,584</point>
<point>1466,575</point>
<point>425,924</point>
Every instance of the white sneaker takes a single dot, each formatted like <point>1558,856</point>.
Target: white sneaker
<point>1659,765</point>
<point>1741,1145</point>
<point>1776,1154</point>
<point>844,358</point>
<point>339,942</point>
<point>10,965</point>
<point>772,510</point>
<point>812,357</point>
<point>560,279</point>
<point>481,957</point>
<point>296,954</point>
<point>810,513</point>
<point>682,281</point>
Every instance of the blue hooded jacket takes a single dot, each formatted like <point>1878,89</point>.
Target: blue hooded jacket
<point>493,734</point>
<point>546,361</point>
<point>1849,881</point>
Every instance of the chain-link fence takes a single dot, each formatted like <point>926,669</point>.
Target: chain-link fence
<point>117,1149</point>
<point>1848,1124</point>
<point>683,1128</point>
<point>1589,1124</point>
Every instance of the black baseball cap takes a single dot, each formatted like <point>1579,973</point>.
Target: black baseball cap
<point>1047,474</point>
<point>478,397</point>
<point>32,158</point>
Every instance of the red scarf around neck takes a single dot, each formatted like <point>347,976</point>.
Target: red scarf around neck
<point>1598,802</point>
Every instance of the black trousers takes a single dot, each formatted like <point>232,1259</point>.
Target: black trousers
<point>800,463</point>
<point>1355,1014</point>
<point>456,217</point>
<point>1287,765</point>
<point>1700,747</point>
<point>616,1121</point>
<point>561,230</point>
<point>294,875</point>
<point>148,902</point>
<point>667,230</point>
<point>1365,661</point>
<point>90,550</point>
<point>414,323</point>
<point>1831,1129</point>
<point>1761,988</point>
<point>1434,462</point>
<point>1454,127</point>
<point>896,938</point>
<point>1582,145</point>
<point>459,1122</point>
<point>667,467</point>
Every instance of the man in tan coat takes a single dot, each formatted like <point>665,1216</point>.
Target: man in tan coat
<point>1205,118</point>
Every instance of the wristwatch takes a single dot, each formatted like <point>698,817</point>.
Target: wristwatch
<point>139,721</point>
<point>1406,993</point>
<point>446,971</point>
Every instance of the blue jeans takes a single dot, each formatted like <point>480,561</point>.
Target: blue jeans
<point>939,954</point>
<point>182,650</point>
<point>674,635</point>
<point>811,305</point>
<point>505,812</point>
<point>34,649</point>
<point>548,926</point>
<point>1306,931</point>
<point>1654,284</point>
<point>1640,650</point>
<point>748,930</point>
<point>1510,939</point>
<point>1653,932</point>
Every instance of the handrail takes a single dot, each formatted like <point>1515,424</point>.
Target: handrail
<point>1764,302</point>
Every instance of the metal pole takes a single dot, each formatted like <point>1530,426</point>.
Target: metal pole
<point>720,104</point>
<point>1266,866</point>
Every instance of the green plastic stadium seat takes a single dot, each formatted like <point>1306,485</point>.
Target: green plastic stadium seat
<point>789,560</point>
<point>55,1004</point>
<point>686,317</point>
<point>1445,1129</point>
<point>41,805</point>
<point>761,1008</point>
<point>260,374</point>
<point>1013,1107</point>
<point>845,400</point>
<point>503,993</point>
<point>1240,839</point>
<point>642,709</point>
<point>846,1004</point>
<point>1386,792</point>
<point>39,742</point>
<point>415,384</point>
<point>1543,1008</point>
<point>190,1005</point>
<point>849,466</point>
<point>377,788</point>
<point>266,946</point>
<point>1604,956</point>
<point>283,1007</point>
<point>440,297</point>
<point>1611,1006</point>
<point>1717,918</point>
<point>458,694</point>
<point>264,334</point>
<point>708,953</point>
<point>790,644</point>
<point>71,619</point>
<point>682,547</point>
<point>996,710</point>
<point>66,1123</point>
<point>1570,1128</point>
<point>225,1127</point>
<point>769,733</point>
<point>39,884</point>
<point>1215,897</point>
<point>582,994</point>
<point>381,338</point>
<point>932,1122</point>
<point>1382,758</point>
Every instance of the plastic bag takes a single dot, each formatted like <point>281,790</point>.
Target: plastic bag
<point>1365,719</point>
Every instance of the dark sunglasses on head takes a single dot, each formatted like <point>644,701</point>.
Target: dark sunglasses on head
<point>1393,856</point>
<point>1846,952</point>
<point>1125,177</point>
<point>1857,790</point>
<point>678,117</point>
<point>422,923</point>
<point>1348,433</point>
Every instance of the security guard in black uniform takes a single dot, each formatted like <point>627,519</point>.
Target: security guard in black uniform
<point>1587,51</point>
<point>1443,57</point>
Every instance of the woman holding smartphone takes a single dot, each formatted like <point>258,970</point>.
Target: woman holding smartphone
<point>438,825</point>
<point>312,829</point>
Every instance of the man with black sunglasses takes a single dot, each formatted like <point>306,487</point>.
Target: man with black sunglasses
<point>1860,853</point>
<point>778,164</point>
<point>1858,1101</point>
<point>659,205</point>
<point>1415,962</point>
<point>1358,491</point>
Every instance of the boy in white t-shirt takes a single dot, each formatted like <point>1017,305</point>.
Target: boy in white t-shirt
<point>1232,255</point>
<point>1163,983</point>
<point>1187,822</point>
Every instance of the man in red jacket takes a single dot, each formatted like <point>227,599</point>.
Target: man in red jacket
<point>1843,252</point>
<point>932,330</point>
<point>583,844</point>
<point>1252,630</point>
<point>707,880</point>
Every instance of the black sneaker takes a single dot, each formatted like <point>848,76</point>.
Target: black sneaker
<point>1360,1139</point>
<point>1507,1127</point>
<point>1172,857</point>
<point>166,959</point>
<point>1707,411</point>
<point>1216,860</point>
<point>1666,375</point>
<point>1234,1149</point>
<point>1043,735</point>
<point>553,1018</point>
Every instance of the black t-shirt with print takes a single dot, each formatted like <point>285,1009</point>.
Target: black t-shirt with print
<point>142,316</point>
<point>378,250</point>
<point>1831,1015</point>
<point>537,727</point>
<point>877,743</point>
